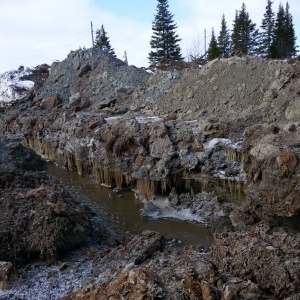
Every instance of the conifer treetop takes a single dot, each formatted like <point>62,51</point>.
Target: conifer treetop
<point>102,41</point>
<point>165,40</point>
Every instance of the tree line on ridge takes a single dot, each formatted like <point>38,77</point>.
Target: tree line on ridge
<point>274,39</point>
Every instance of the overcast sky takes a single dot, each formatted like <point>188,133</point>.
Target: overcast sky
<point>33,32</point>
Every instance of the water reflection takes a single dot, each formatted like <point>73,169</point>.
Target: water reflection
<point>123,214</point>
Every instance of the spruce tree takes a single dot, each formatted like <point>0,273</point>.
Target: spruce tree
<point>164,40</point>
<point>266,36</point>
<point>278,44</point>
<point>290,33</point>
<point>236,34</point>
<point>102,41</point>
<point>244,33</point>
<point>213,48</point>
<point>224,38</point>
<point>284,34</point>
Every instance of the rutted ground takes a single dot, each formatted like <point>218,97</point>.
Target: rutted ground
<point>220,141</point>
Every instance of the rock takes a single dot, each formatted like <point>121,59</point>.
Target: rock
<point>75,99</point>
<point>201,157</point>
<point>148,233</point>
<point>84,70</point>
<point>149,209</point>
<point>49,102</point>
<point>134,284</point>
<point>62,266</point>
<point>154,243</point>
<point>123,90</point>
<point>254,251</point>
<point>262,151</point>
<point>235,287</point>
<point>128,267</point>
<point>5,271</point>
<point>96,124</point>
<point>188,159</point>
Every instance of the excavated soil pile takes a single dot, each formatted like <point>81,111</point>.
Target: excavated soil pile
<point>39,219</point>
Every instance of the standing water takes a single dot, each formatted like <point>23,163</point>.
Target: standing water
<point>122,214</point>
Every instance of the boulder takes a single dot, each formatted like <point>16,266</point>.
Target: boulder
<point>49,102</point>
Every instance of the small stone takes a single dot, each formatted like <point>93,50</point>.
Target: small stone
<point>49,102</point>
<point>62,266</point>
<point>271,248</point>
<point>5,271</point>
<point>75,99</point>
<point>148,233</point>
<point>128,267</point>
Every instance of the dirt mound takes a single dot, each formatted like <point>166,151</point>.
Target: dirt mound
<point>39,218</point>
<point>231,88</point>
<point>91,78</point>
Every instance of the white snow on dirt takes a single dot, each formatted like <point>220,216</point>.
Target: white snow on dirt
<point>111,120</point>
<point>140,119</point>
<point>147,119</point>
<point>12,87</point>
<point>161,208</point>
<point>225,142</point>
<point>40,282</point>
<point>213,142</point>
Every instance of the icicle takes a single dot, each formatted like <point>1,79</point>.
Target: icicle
<point>118,176</point>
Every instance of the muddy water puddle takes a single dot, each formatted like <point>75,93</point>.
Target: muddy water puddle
<point>122,214</point>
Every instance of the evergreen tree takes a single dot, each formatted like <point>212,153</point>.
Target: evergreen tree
<point>224,38</point>
<point>164,40</point>
<point>284,34</point>
<point>213,48</point>
<point>244,34</point>
<point>290,33</point>
<point>102,41</point>
<point>236,35</point>
<point>277,48</point>
<point>267,26</point>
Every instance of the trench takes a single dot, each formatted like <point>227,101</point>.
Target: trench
<point>122,214</point>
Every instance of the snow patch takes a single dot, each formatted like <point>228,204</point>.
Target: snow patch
<point>145,119</point>
<point>86,142</point>
<point>161,209</point>
<point>213,142</point>
<point>226,142</point>
<point>25,84</point>
<point>12,87</point>
<point>241,177</point>
<point>190,122</point>
<point>110,120</point>
<point>48,282</point>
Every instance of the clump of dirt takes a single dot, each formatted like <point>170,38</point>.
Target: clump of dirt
<point>39,217</point>
<point>267,256</point>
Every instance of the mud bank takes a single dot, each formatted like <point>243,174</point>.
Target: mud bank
<point>221,141</point>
